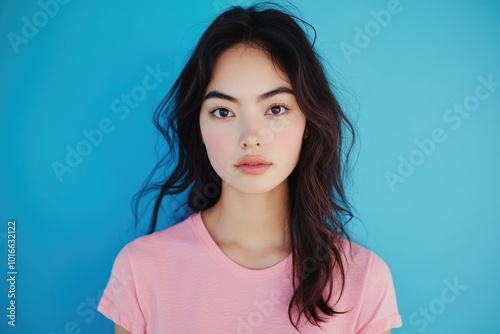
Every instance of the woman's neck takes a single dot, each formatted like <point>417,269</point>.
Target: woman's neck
<point>256,223</point>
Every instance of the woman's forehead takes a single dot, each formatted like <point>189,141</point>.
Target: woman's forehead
<point>246,70</point>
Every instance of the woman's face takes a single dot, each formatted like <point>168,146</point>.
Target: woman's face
<point>249,109</point>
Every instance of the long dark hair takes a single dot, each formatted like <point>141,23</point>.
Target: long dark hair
<point>319,209</point>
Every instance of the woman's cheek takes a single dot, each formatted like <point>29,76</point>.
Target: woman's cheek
<point>217,144</point>
<point>217,139</point>
<point>290,137</point>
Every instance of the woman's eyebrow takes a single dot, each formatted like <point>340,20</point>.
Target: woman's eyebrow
<point>214,94</point>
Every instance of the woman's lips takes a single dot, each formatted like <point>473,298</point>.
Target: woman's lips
<point>252,165</point>
<point>252,160</point>
<point>253,169</point>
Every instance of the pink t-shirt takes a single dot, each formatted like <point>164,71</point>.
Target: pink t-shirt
<point>179,281</point>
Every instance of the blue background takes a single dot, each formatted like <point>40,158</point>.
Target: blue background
<point>440,225</point>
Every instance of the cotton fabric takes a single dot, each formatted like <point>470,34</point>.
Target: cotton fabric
<point>179,281</point>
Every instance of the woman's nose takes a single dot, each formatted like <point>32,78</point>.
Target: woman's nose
<point>250,142</point>
<point>252,133</point>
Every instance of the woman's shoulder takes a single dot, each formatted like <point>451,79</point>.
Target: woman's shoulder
<point>360,259</point>
<point>369,288</point>
<point>159,241</point>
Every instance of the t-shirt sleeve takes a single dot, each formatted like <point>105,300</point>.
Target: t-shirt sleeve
<point>119,301</point>
<point>379,310</point>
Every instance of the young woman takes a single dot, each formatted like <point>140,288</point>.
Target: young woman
<point>260,142</point>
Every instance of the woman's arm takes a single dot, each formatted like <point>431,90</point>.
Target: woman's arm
<point>120,330</point>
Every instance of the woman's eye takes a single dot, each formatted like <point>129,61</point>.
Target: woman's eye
<point>223,113</point>
<point>278,110</point>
